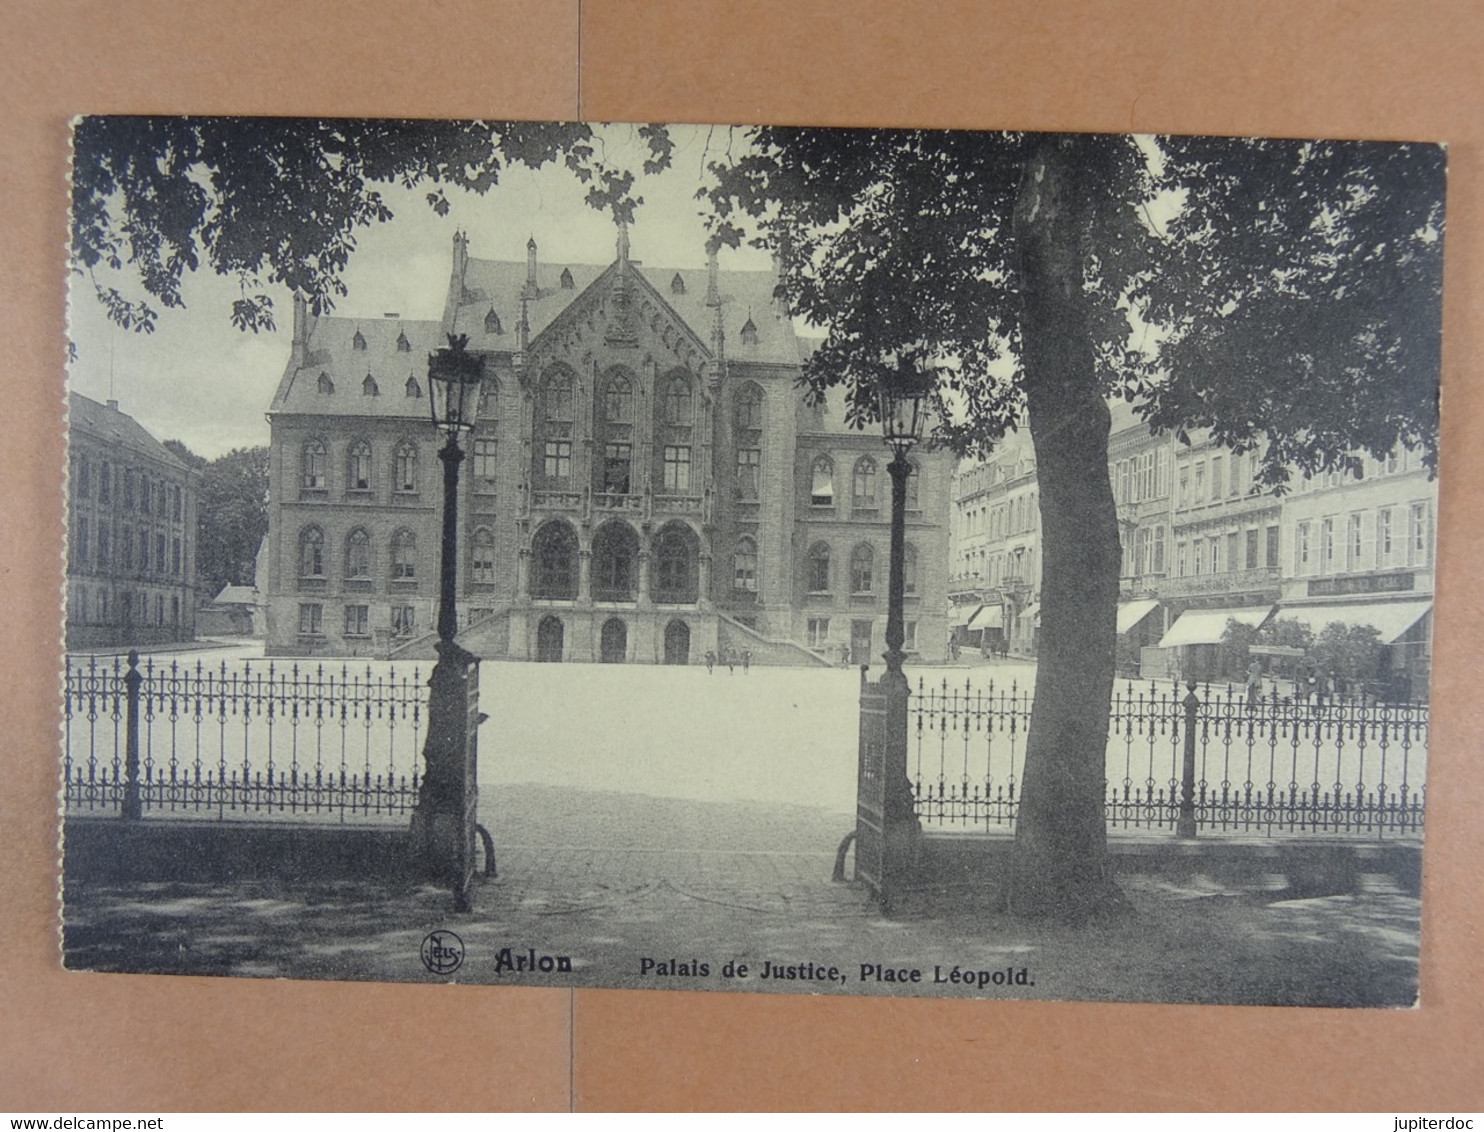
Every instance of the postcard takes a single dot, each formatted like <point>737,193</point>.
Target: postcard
<point>759,559</point>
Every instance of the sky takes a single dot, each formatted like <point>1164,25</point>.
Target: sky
<point>199,380</point>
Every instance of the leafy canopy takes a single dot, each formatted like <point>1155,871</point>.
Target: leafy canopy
<point>279,201</point>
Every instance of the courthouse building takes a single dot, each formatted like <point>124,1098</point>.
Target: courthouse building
<point>645,482</point>
<point>131,543</point>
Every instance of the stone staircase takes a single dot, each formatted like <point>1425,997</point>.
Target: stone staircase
<point>733,636</point>
<point>488,638</point>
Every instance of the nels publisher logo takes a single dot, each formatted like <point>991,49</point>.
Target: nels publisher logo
<point>442,952</point>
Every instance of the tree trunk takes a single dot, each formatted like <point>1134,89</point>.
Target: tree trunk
<point>1060,865</point>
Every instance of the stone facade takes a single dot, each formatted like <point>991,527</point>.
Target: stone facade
<point>1200,539</point>
<point>639,486</point>
<point>131,546</point>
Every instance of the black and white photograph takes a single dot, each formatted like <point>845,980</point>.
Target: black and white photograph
<point>764,559</point>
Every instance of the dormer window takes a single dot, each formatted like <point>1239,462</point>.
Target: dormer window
<point>413,388</point>
<point>677,285</point>
<point>749,332</point>
<point>403,346</point>
<point>325,384</point>
<point>567,282</point>
<point>369,387</point>
<point>492,323</point>
<point>358,342</point>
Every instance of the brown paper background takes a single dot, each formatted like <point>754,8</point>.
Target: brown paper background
<point>1368,68</point>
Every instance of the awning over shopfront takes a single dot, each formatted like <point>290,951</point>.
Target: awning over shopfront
<point>962,615</point>
<point>1130,613</point>
<point>988,617</point>
<point>1392,619</point>
<point>1206,626</point>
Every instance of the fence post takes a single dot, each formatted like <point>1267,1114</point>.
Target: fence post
<point>1185,826</point>
<point>131,808</point>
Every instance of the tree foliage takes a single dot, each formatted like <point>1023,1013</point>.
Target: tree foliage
<point>280,200</point>
<point>232,501</point>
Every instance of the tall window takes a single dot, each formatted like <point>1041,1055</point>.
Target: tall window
<point>554,558</point>
<point>404,556</point>
<point>404,468</point>
<point>819,632</point>
<point>749,408</point>
<point>864,494</point>
<point>557,396</point>
<point>1327,543</point>
<point>358,555</point>
<point>615,552</point>
<point>822,483</point>
<point>311,553</point>
<point>1417,534</point>
<point>83,544</point>
<point>1302,551</point>
<point>909,569</point>
<point>105,481</point>
<point>748,464</point>
<point>677,467</point>
<point>1383,537</point>
<point>482,556</point>
<point>617,460</point>
<point>676,560</point>
<point>678,407</point>
<point>744,567</point>
<point>357,621</point>
<point>404,620</point>
<point>861,562</point>
<point>1352,541</point>
<point>1252,549</point>
<point>486,468</point>
<point>618,400</point>
<point>557,462</point>
<point>313,476</point>
<point>311,619</point>
<point>819,568</point>
<point>84,478</point>
<point>358,467</point>
<point>913,480</point>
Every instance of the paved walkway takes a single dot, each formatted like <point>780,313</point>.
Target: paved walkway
<point>662,893</point>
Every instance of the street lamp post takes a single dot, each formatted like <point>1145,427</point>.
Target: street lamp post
<point>443,826</point>
<point>900,405</point>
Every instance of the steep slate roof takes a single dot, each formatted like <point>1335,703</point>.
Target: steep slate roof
<point>236,595</point>
<point>111,425</point>
<point>745,295</point>
<point>331,351</point>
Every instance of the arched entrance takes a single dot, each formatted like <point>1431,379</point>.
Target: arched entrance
<point>677,642</point>
<point>549,636</point>
<point>615,641</point>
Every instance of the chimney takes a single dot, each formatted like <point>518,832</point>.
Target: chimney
<point>299,347</point>
<point>623,243</point>
<point>113,405</point>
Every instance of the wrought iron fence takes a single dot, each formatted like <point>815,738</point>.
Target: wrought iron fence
<point>250,739</point>
<point>1273,765</point>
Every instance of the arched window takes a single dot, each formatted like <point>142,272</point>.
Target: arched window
<point>822,483</point>
<point>482,556</point>
<point>404,467</point>
<point>909,569</point>
<point>678,404</point>
<point>404,556</point>
<point>615,557</point>
<point>554,557</point>
<point>311,553</point>
<point>358,555</point>
<point>489,400</point>
<point>618,400</point>
<point>819,568</point>
<point>556,395</point>
<point>314,472</point>
<point>911,493</point>
<point>492,323</point>
<point>864,494</point>
<point>358,466</point>
<point>862,569</point>
<point>677,560</point>
<point>748,407</point>
<point>744,567</point>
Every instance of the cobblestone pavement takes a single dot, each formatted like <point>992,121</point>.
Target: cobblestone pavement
<point>662,893</point>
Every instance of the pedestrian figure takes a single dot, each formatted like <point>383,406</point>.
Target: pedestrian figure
<point>731,661</point>
<point>746,660</point>
<point>1254,683</point>
<point>710,661</point>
